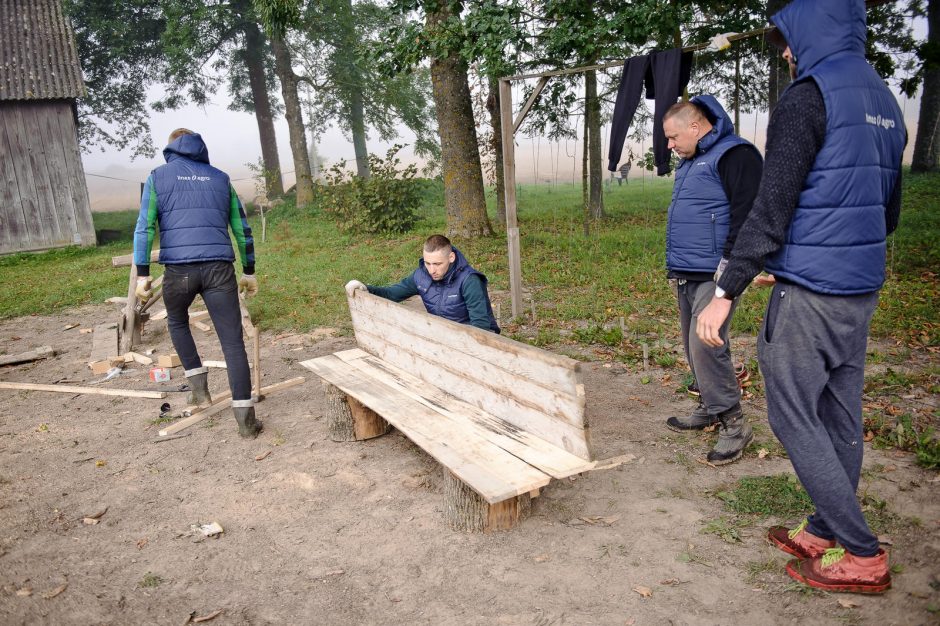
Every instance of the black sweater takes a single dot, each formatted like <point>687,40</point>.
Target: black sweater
<point>795,135</point>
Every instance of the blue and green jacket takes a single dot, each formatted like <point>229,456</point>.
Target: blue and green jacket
<point>194,205</point>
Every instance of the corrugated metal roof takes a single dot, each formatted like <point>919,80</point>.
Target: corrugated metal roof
<point>38,59</point>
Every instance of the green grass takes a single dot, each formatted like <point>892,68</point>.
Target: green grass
<point>779,496</point>
<point>579,282</point>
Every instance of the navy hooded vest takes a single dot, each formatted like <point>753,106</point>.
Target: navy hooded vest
<point>836,241</point>
<point>443,297</point>
<point>193,204</point>
<point>699,215</point>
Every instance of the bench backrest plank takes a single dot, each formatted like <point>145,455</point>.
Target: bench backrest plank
<point>534,390</point>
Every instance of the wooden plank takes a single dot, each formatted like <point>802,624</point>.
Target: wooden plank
<point>126,260</point>
<point>57,170</point>
<point>200,325</point>
<point>12,219</point>
<point>68,133</point>
<point>555,402</point>
<point>130,333</point>
<point>535,451</point>
<point>39,161</point>
<point>557,432</point>
<point>95,391</point>
<point>550,370</point>
<point>528,104</point>
<point>33,235</point>
<point>491,471</point>
<point>224,401</point>
<point>509,185</point>
<point>41,352</point>
<point>138,358</point>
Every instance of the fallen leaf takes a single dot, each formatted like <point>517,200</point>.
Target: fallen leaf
<point>762,453</point>
<point>97,515</point>
<point>100,463</point>
<point>542,558</point>
<point>868,435</point>
<point>262,456</point>
<point>669,581</point>
<point>51,594</point>
<point>86,331</point>
<point>24,592</point>
<point>848,604</point>
<point>646,592</point>
<point>90,521</point>
<point>597,519</point>
<point>142,542</point>
<point>891,468</point>
<point>70,326</point>
<point>209,530</point>
<point>206,618</point>
<point>43,428</point>
<point>710,429</point>
<point>335,572</point>
<point>630,621</point>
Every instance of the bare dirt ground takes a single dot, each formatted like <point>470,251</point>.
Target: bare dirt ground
<point>318,532</point>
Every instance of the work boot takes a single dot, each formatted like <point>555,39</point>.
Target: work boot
<point>699,420</point>
<point>248,425</point>
<point>839,570</point>
<point>799,542</point>
<point>733,436</point>
<point>198,380</point>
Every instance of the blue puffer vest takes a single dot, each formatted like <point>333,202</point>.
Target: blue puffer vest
<point>193,205</point>
<point>699,216</point>
<point>443,298</point>
<point>836,241</point>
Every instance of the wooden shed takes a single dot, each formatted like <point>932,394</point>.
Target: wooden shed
<point>43,196</point>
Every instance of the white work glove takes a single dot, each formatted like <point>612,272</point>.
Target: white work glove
<point>722,264</point>
<point>354,285</point>
<point>143,290</point>
<point>248,284</point>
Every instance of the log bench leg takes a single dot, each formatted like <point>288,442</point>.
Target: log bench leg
<point>466,510</point>
<point>349,420</point>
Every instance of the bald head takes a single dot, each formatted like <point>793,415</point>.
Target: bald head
<point>684,124</point>
<point>685,112</point>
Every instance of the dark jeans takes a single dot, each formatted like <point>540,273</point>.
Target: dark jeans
<point>215,282</point>
<point>812,355</point>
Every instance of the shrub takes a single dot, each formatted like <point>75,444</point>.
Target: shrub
<point>386,202</point>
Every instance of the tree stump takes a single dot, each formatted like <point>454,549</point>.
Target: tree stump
<point>466,510</point>
<point>350,420</point>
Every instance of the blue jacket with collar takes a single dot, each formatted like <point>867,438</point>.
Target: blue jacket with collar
<point>443,297</point>
<point>835,243</point>
<point>699,215</point>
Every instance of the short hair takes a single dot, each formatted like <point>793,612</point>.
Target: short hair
<point>437,242</point>
<point>179,132</point>
<point>687,111</point>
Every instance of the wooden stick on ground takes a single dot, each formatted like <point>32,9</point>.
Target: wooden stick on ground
<point>96,391</point>
<point>219,405</point>
<point>33,355</point>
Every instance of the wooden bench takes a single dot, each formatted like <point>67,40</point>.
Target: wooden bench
<point>502,417</point>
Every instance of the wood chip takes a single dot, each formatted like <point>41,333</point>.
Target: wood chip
<point>704,462</point>
<point>646,592</point>
<point>848,604</point>
<point>762,453</point>
<point>604,521</point>
<point>86,331</point>
<point>70,326</point>
<point>90,521</point>
<point>669,581</point>
<point>24,592</point>
<point>51,594</point>
<point>262,456</point>
<point>98,515</point>
<point>206,618</point>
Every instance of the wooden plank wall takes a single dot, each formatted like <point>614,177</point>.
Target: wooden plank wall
<point>531,389</point>
<point>43,196</point>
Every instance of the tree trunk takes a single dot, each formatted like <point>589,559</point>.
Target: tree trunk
<point>353,87</point>
<point>254,61</point>
<point>585,186</point>
<point>779,71</point>
<point>492,105</point>
<point>466,511</point>
<point>464,198</point>
<point>350,420</point>
<point>357,124</point>
<point>592,107</point>
<point>295,121</point>
<point>927,144</point>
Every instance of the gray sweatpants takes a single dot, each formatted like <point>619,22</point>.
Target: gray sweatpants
<point>712,367</point>
<point>812,356</point>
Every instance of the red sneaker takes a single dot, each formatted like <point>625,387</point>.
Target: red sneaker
<point>838,570</point>
<point>799,542</point>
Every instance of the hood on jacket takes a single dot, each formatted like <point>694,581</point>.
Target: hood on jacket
<point>818,29</point>
<point>187,146</point>
<point>459,263</point>
<point>721,123</point>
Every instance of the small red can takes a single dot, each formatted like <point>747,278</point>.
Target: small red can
<point>159,374</point>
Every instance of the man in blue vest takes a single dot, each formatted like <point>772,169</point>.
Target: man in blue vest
<point>716,182</point>
<point>830,194</point>
<point>194,205</point>
<point>448,286</point>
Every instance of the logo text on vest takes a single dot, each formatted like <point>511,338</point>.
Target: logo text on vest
<point>877,120</point>
<point>194,177</point>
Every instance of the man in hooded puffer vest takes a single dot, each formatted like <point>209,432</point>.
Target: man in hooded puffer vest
<point>448,285</point>
<point>830,194</point>
<point>716,182</point>
<point>195,205</point>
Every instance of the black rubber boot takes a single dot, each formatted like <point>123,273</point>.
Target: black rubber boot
<point>699,420</point>
<point>248,425</point>
<point>734,435</point>
<point>199,389</point>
